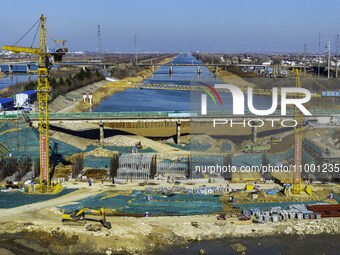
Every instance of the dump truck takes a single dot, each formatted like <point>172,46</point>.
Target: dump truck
<point>274,139</point>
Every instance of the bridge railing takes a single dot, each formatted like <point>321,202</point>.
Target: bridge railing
<point>170,114</point>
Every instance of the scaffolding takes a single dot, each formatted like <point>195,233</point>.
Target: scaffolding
<point>135,166</point>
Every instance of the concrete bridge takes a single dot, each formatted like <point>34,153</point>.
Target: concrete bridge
<point>19,67</point>
<point>157,122</point>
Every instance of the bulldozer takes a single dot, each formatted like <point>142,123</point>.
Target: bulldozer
<point>78,216</point>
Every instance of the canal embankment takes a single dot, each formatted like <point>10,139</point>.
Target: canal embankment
<point>73,101</point>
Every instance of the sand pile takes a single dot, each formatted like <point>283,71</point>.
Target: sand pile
<point>202,140</point>
<point>100,152</point>
<point>121,140</point>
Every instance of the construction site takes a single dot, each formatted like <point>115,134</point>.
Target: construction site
<point>74,180</point>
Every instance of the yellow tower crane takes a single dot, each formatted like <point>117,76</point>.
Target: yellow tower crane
<point>43,98</point>
<point>297,187</point>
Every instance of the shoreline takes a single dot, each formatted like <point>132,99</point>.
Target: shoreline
<point>100,90</point>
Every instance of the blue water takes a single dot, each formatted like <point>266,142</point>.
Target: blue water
<point>8,80</point>
<point>179,204</point>
<point>14,199</point>
<point>137,100</point>
<point>140,100</point>
<point>183,75</point>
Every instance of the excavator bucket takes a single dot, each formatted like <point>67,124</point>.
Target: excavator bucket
<point>106,224</point>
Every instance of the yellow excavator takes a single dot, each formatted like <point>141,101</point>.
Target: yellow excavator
<point>79,215</point>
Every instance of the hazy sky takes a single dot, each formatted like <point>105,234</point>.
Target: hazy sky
<point>178,25</point>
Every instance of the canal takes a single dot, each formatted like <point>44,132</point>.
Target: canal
<point>139,100</point>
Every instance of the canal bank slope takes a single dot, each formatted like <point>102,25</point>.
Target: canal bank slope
<point>72,101</point>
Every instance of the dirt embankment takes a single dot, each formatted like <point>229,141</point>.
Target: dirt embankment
<point>37,228</point>
<point>140,235</point>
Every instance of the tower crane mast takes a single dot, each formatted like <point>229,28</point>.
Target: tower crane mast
<point>43,88</point>
<point>298,143</point>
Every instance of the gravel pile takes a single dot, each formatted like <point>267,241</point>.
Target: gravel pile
<point>202,140</point>
<point>121,140</point>
<point>100,152</point>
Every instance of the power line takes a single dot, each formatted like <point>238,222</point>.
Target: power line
<point>27,32</point>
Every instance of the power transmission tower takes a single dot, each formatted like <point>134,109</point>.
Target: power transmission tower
<point>99,46</point>
<point>319,57</point>
<point>304,60</point>
<point>337,51</point>
<point>329,60</point>
<point>136,57</point>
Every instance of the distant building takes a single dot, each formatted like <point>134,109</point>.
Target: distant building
<point>26,98</point>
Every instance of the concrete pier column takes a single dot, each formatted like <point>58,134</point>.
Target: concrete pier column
<point>254,131</point>
<point>101,133</point>
<point>178,132</point>
<point>10,69</point>
<point>90,98</point>
<point>171,70</point>
<point>199,70</point>
<point>216,69</point>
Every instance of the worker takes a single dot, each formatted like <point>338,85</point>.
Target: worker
<point>113,180</point>
<point>89,182</point>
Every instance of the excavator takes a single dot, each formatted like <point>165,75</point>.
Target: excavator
<point>79,215</point>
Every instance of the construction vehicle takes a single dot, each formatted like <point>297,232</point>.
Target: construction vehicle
<point>256,148</point>
<point>78,217</point>
<point>274,139</point>
<point>43,88</point>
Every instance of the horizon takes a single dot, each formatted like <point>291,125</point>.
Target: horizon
<point>160,26</point>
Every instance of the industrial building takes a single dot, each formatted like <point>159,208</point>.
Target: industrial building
<point>6,103</point>
<point>26,98</point>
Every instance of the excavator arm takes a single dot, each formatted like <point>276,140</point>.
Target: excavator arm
<point>80,215</point>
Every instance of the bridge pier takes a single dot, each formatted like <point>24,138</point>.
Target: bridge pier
<point>254,131</point>
<point>171,70</point>
<point>28,69</point>
<point>101,133</point>
<point>10,69</point>
<point>199,70</point>
<point>178,132</point>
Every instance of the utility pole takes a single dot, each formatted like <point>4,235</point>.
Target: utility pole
<point>99,46</point>
<point>304,60</point>
<point>329,60</point>
<point>136,57</point>
<point>337,51</point>
<point>319,57</point>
